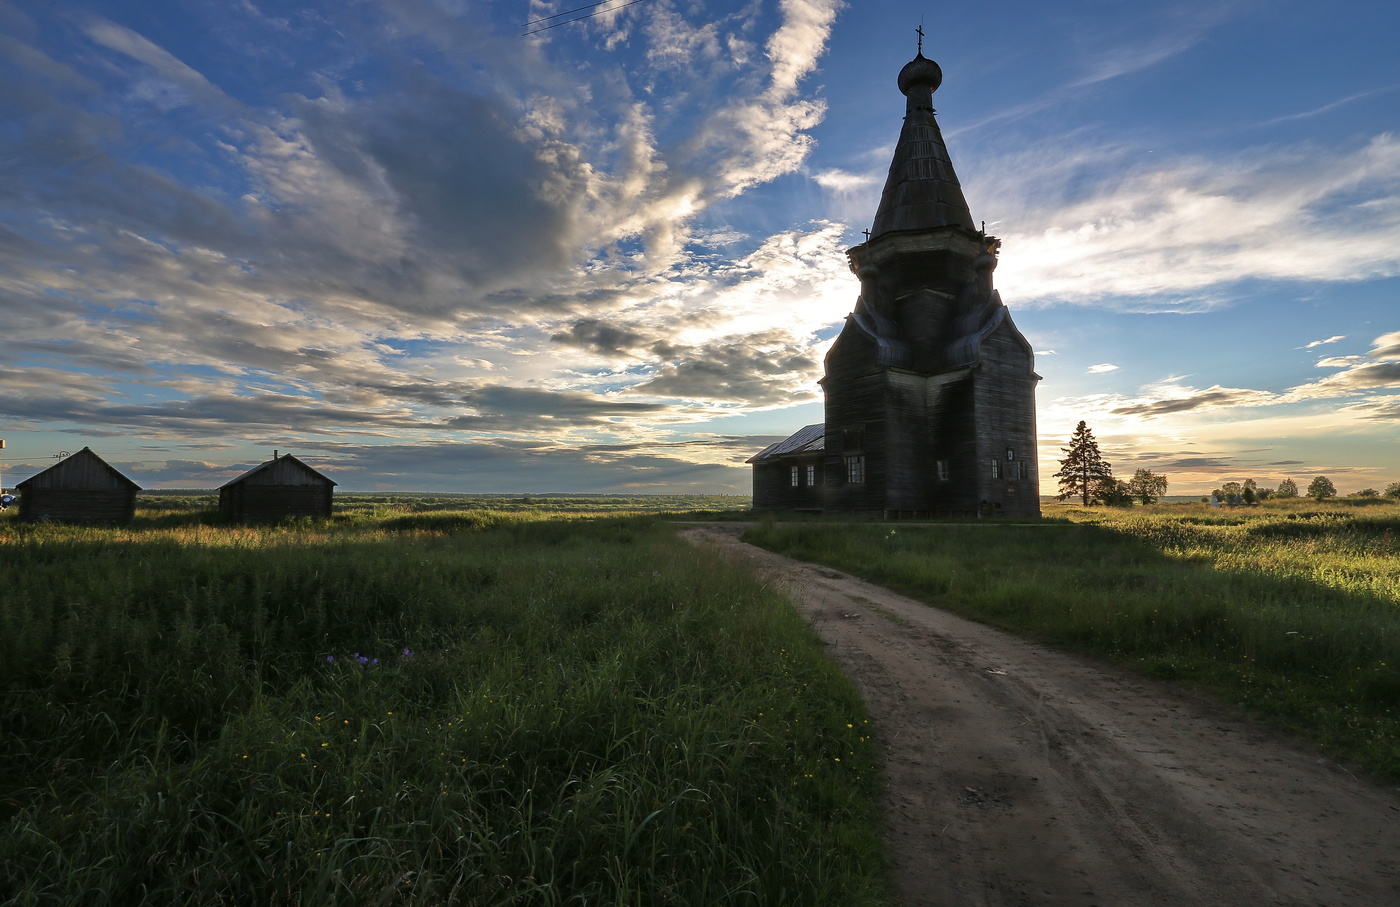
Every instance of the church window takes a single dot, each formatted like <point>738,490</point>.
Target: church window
<point>942,470</point>
<point>996,469</point>
<point>811,476</point>
<point>795,481</point>
<point>1020,469</point>
<point>853,439</point>
<point>1010,453</point>
<point>855,470</point>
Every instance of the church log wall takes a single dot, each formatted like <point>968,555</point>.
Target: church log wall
<point>1005,404</point>
<point>854,404</point>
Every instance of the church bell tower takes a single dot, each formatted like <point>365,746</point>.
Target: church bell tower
<point>930,387</point>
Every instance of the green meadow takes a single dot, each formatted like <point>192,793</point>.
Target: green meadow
<point>553,700</point>
<point>1289,611</point>
<point>418,705</point>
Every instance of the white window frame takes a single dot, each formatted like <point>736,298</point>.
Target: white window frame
<point>855,469</point>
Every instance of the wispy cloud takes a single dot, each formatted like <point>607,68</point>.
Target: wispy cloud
<point>1328,108</point>
<point>1102,368</point>
<point>434,230</point>
<point>1317,343</point>
<point>1171,399</point>
<point>1380,368</point>
<point>1179,236</point>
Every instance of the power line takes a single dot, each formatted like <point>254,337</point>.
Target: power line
<point>566,12</point>
<point>592,6</point>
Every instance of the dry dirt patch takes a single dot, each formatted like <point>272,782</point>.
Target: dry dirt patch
<point>1022,776</point>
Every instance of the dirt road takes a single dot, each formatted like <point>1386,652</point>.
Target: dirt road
<point>1021,776</point>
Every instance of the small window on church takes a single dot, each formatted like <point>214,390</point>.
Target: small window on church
<point>942,470</point>
<point>811,476</point>
<point>1010,453</point>
<point>853,439</point>
<point>1020,469</point>
<point>855,470</point>
<point>996,469</point>
<point>795,480</point>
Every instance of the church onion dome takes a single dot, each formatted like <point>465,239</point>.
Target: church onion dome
<point>922,72</point>
<point>922,191</point>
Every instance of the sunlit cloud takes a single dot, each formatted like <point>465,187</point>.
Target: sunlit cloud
<point>1317,343</point>
<point>1102,368</point>
<point>1380,368</point>
<point>430,234</point>
<point>1170,399</point>
<point>1138,243</point>
<point>844,182</point>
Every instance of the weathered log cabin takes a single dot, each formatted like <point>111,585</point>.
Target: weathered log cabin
<point>787,475</point>
<point>929,388</point>
<point>281,487</point>
<point>79,488</point>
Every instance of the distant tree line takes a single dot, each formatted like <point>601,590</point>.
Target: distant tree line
<point>1086,475</point>
<point>1319,489</point>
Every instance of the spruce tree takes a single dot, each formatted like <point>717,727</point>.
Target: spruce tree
<point>1083,470</point>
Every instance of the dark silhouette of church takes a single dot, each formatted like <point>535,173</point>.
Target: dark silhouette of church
<point>930,388</point>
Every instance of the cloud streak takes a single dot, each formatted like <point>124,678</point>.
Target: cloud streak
<point>1178,237</point>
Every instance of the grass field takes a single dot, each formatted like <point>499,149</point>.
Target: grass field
<point>1291,612</point>
<point>192,502</point>
<point>424,706</point>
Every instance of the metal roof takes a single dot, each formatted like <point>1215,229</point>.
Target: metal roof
<point>808,439</point>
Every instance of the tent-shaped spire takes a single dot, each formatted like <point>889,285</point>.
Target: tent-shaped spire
<point>922,191</point>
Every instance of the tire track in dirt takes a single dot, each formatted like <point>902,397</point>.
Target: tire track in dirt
<point>1022,776</point>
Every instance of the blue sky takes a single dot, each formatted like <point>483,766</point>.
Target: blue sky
<point>425,252</point>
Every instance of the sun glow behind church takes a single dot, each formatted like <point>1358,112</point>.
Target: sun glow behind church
<point>422,252</point>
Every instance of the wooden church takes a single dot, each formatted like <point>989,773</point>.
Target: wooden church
<point>930,388</point>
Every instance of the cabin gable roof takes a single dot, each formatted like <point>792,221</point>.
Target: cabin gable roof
<point>83,470</point>
<point>283,470</point>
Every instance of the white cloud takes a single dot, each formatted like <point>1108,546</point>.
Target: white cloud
<point>178,83</point>
<point>1380,368</point>
<point>1102,367</point>
<point>844,182</point>
<point>1332,339</point>
<point>1177,237</point>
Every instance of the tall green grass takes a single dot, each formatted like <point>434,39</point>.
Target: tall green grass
<point>466,708</point>
<point>1291,614</point>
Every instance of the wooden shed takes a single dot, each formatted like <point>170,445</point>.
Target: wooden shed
<point>283,486</point>
<point>83,487</point>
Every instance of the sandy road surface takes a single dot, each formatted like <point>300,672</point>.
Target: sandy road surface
<point>1020,776</point>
